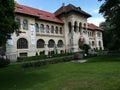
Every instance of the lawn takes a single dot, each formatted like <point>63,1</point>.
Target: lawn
<point>99,73</point>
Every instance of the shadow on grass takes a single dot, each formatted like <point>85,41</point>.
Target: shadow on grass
<point>20,79</point>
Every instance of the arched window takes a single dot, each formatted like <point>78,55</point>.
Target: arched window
<point>60,30</point>
<point>93,43</point>
<point>47,29</point>
<point>25,24</point>
<point>75,26</point>
<point>84,26</point>
<point>51,43</point>
<point>42,28</point>
<point>56,30</point>
<point>22,43</point>
<point>70,27</point>
<point>37,27</point>
<point>60,43</point>
<point>40,43</point>
<point>52,29</point>
<point>80,26</point>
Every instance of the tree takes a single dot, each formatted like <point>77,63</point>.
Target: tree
<point>7,20</point>
<point>107,35</point>
<point>111,11</point>
<point>85,47</point>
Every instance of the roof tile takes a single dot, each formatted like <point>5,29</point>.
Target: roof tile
<point>69,8</point>
<point>37,13</point>
<point>91,26</point>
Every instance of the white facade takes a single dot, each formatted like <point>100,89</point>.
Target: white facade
<point>43,36</point>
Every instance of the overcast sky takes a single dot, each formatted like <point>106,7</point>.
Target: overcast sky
<point>90,6</point>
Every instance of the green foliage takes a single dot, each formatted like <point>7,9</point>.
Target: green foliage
<point>46,62</point>
<point>85,47</point>
<point>32,58</point>
<point>107,35</point>
<point>41,57</point>
<point>7,20</point>
<point>111,11</point>
<point>4,62</point>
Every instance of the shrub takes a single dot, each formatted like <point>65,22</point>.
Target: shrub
<point>41,57</point>
<point>4,62</point>
<point>46,62</point>
<point>32,58</point>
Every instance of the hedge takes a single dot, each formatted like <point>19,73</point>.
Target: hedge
<point>41,57</point>
<point>46,62</point>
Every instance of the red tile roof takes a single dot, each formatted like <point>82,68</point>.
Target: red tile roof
<point>71,8</point>
<point>43,15</point>
<point>91,26</point>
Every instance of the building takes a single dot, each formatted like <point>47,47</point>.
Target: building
<point>45,32</point>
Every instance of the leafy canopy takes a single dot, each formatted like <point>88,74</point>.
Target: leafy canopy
<point>110,9</point>
<point>7,19</point>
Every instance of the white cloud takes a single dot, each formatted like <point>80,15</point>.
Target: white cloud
<point>96,21</point>
<point>96,11</point>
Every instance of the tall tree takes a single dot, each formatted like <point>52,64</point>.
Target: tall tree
<point>107,35</point>
<point>7,20</point>
<point>111,11</point>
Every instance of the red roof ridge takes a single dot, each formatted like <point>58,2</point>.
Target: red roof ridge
<point>70,8</point>
<point>41,14</point>
<point>92,26</point>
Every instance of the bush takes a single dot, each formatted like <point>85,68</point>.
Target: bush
<point>40,57</point>
<point>46,62</point>
<point>32,58</point>
<point>4,62</point>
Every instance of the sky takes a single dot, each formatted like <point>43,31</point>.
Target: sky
<point>89,6</point>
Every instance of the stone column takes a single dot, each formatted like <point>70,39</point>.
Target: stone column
<point>46,49</point>
<point>72,38</point>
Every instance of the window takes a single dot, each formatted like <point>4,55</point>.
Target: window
<point>80,26</point>
<point>22,43</point>
<point>40,43</point>
<point>51,43</point>
<point>56,30</point>
<point>23,54</point>
<point>37,27</point>
<point>42,28</point>
<point>52,29</point>
<point>93,43</point>
<point>47,29</point>
<point>60,43</point>
<point>84,26</point>
<point>25,24</point>
<point>60,30</point>
<point>75,26</point>
<point>70,27</point>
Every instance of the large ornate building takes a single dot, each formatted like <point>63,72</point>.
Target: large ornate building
<point>43,32</point>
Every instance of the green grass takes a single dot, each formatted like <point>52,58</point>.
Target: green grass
<point>99,73</point>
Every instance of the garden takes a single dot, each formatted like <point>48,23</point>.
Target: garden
<point>98,73</point>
